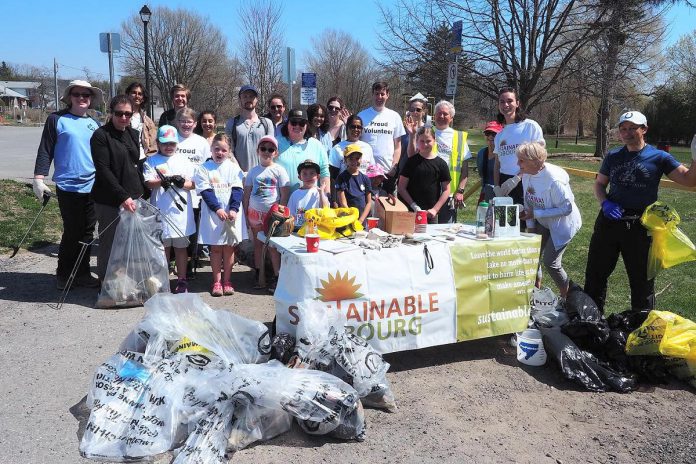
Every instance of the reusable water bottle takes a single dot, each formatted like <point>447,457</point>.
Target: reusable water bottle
<point>481,217</point>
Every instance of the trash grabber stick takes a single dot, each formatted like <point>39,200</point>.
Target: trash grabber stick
<point>169,189</point>
<point>46,196</point>
<point>80,257</point>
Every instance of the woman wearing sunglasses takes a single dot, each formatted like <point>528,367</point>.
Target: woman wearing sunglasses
<point>65,143</point>
<point>297,145</point>
<point>119,181</point>
<point>337,117</point>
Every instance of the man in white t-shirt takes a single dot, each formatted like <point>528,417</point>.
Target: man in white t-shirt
<point>451,145</point>
<point>382,130</point>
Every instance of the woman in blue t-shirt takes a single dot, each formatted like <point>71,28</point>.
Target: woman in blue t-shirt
<point>65,143</point>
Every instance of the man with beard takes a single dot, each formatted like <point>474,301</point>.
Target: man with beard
<point>246,129</point>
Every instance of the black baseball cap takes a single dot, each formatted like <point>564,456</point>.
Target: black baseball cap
<point>308,164</point>
<point>297,114</point>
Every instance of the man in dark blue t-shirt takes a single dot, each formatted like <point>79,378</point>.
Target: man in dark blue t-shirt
<point>633,174</point>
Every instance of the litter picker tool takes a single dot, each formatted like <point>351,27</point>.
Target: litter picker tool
<point>46,197</point>
<point>166,184</point>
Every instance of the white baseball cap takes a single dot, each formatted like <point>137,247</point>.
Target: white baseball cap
<point>635,117</point>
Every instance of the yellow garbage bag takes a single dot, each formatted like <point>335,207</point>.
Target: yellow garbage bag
<point>332,223</point>
<point>670,246</point>
<point>664,333</point>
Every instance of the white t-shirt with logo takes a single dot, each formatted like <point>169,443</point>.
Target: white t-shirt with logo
<point>507,140</point>
<point>176,223</point>
<point>301,200</point>
<point>197,150</point>
<point>337,160</point>
<point>380,129</point>
<point>220,178</point>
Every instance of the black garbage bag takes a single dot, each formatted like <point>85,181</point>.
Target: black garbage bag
<point>651,369</point>
<point>587,326</point>
<point>583,367</point>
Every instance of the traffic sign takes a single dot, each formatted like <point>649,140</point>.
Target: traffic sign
<point>451,88</point>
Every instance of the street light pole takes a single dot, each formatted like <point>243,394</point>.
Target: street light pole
<point>145,15</point>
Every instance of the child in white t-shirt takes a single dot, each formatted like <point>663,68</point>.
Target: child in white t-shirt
<point>169,175</point>
<point>265,184</point>
<point>219,182</point>
<point>308,196</point>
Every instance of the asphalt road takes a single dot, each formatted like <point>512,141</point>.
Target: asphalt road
<point>18,147</point>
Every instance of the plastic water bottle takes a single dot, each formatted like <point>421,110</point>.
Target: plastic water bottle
<point>481,217</point>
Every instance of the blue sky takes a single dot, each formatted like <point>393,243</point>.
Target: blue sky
<point>49,29</point>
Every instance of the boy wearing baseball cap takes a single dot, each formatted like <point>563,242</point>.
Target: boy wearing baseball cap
<point>353,188</point>
<point>169,174</point>
<point>308,196</point>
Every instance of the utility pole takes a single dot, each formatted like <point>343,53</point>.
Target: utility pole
<point>55,81</point>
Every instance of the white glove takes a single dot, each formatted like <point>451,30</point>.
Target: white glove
<point>693,148</point>
<point>506,187</point>
<point>40,188</point>
<point>415,207</point>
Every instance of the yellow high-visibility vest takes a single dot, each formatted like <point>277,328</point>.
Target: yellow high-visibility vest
<point>456,157</point>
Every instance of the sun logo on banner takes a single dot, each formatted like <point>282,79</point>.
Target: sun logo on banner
<point>338,287</point>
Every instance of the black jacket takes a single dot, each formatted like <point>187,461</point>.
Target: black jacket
<point>116,159</point>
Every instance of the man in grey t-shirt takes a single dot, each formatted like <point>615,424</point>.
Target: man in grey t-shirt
<point>246,129</point>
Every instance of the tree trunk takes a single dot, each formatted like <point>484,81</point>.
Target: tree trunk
<point>614,42</point>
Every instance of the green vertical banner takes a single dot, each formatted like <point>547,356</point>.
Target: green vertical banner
<point>493,280</point>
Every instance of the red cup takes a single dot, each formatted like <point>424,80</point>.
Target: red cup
<point>421,217</point>
<point>372,222</point>
<point>312,243</point>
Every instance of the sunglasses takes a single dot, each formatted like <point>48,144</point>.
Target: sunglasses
<point>298,123</point>
<point>137,94</point>
<point>267,149</point>
<point>355,127</point>
<point>78,95</point>
<point>489,134</point>
<point>120,114</point>
<point>277,107</point>
<point>417,110</point>
<point>334,108</point>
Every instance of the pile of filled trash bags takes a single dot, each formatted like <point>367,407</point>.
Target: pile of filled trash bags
<point>204,383</point>
<point>618,352</point>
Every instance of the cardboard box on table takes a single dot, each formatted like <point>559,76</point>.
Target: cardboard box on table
<point>394,216</point>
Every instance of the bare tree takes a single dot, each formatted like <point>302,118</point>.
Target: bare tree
<point>682,56</point>
<point>184,48</point>
<point>262,45</point>
<point>519,43</point>
<point>343,67</point>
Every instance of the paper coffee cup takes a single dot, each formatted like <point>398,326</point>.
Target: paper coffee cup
<point>312,243</point>
<point>372,222</point>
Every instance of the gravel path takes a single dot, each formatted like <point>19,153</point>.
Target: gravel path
<point>467,402</point>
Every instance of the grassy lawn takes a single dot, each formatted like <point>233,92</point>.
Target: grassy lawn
<point>678,282</point>
<point>18,209</point>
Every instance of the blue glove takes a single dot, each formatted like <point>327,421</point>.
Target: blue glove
<point>612,210</point>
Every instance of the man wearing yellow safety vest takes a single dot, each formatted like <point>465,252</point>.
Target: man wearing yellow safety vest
<point>451,146</point>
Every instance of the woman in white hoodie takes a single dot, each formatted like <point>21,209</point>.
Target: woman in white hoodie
<point>549,209</point>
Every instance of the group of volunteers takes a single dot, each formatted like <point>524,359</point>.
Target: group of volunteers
<point>215,189</point>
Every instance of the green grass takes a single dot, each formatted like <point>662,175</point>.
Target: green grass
<point>18,208</point>
<point>678,282</point>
